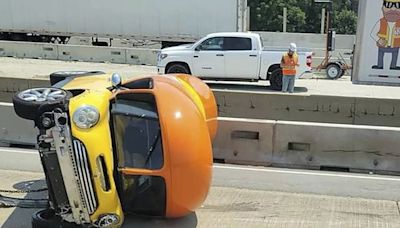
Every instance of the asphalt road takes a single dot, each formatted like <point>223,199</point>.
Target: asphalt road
<point>245,196</point>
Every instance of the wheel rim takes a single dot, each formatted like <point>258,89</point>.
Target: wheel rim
<point>42,94</point>
<point>333,72</point>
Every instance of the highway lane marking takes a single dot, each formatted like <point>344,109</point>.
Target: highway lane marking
<point>6,104</point>
<point>266,170</point>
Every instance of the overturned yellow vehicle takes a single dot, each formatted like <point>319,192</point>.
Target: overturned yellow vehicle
<point>110,148</point>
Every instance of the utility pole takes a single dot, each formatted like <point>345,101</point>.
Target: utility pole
<point>284,19</point>
<point>323,14</point>
<point>329,36</point>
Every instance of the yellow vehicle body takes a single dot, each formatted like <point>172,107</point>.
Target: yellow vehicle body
<point>98,141</point>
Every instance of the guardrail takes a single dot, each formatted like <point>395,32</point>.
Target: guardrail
<point>274,143</point>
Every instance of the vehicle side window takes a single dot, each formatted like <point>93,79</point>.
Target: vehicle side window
<point>212,44</point>
<point>237,44</point>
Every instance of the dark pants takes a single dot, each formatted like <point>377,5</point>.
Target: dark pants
<point>383,51</point>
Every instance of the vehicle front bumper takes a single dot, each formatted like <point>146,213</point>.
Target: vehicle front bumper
<point>160,69</point>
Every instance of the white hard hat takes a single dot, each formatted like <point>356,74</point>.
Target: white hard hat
<point>293,47</point>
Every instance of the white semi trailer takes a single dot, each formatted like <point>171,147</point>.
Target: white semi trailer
<point>160,20</point>
<point>376,56</point>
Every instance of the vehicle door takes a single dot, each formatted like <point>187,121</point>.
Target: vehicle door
<point>241,60</point>
<point>139,156</point>
<point>209,59</point>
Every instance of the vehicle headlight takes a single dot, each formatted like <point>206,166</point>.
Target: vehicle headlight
<point>86,116</point>
<point>162,56</point>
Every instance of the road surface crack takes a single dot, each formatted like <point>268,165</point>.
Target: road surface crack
<point>398,207</point>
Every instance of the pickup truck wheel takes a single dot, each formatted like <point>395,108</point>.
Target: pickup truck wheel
<point>334,71</point>
<point>47,218</point>
<point>28,102</point>
<point>178,68</point>
<point>276,79</point>
<point>61,75</point>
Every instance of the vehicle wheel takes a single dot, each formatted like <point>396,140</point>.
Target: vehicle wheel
<point>47,218</point>
<point>28,102</point>
<point>333,71</point>
<point>276,79</point>
<point>342,67</point>
<point>61,75</point>
<point>178,68</point>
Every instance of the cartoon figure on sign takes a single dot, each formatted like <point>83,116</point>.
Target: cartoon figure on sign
<point>386,33</point>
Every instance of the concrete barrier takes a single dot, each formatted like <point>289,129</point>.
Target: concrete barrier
<point>316,145</point>
<point>92,54</point>
<point>309,145</point>
<point>20,159</point>
<point>273,143</point>
<point>244,142</point>
<point>15,130</point>
<point>28,50</point>
<point>306,40</point>
<point>80,49</point>
<point>137,56</point>
<point>9,86</point>
<point>309,108</point>
<point>277,106</point>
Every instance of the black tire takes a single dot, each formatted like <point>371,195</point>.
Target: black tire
<point>32,109</point>
<point>178,68</point>
<point>61,75</point>
<point>276,79</point>
<point>342,66</point>
<point>48,219</point>
<point>334,71</point>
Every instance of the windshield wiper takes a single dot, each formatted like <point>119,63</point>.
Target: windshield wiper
<point>152,148</point>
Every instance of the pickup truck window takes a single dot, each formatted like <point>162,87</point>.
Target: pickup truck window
<point>237,44</point>
<point>212,44</point>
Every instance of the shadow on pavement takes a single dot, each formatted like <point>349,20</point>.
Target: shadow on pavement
<point>21,217</point>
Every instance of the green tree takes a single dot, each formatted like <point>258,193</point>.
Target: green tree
<point>312,11</point>
<point>345,22</point>
<point>266,15</point>
<point>303,15</point>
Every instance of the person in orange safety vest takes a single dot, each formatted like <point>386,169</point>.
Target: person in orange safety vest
<point>289,63</point>
<point>386,33</point>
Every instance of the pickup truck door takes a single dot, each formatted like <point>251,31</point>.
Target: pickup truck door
<point>241,61</point>
<point>209,59</point>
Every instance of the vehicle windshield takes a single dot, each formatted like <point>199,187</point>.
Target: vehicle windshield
<point>137,135</point>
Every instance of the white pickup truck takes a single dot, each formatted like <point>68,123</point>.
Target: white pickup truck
<point>229,56</point>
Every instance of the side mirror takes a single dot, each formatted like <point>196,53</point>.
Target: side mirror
<point>197,48</point>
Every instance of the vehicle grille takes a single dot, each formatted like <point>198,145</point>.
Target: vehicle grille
<point>85,180</point>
